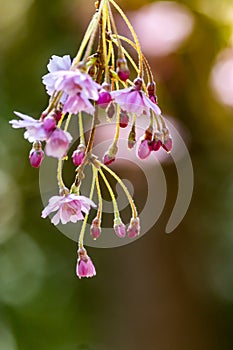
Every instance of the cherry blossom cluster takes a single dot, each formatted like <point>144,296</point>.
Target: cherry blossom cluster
<point>103,78</point>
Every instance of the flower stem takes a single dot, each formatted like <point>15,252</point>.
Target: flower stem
<point>131,43</point>
<point>92,27</point>
<point>67,121</point>
<point>61,184</point>
<point>82,232</point>
<point>130,199</point>
<point>114,202</point>
<point>104,43</point>
<point>140,59</point>
<point>81,130</point>
<point>100,200</point>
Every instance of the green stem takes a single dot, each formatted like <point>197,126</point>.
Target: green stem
<point>81,235</point>
<point>81,130</point>
<point>114,202</point>
<point>125,189</point>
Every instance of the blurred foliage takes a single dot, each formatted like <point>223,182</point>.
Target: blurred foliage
<point>162,292</point>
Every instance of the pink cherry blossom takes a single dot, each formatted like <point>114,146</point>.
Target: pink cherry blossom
<point>69,208</point>
<point>84,267</point>
<point>77,103</point>
<point>57,144</point>
<point>56,64</point>
<point>134,100</point>
<point>72,82</point>
<point>34,128</point>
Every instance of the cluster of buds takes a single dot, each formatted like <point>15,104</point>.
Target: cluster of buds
<point>98,80</point>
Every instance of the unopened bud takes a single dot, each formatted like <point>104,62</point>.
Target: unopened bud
<point>104,96</point>
<point>144,150</point>
<point>110,155</point>
<point>124,119</point>
<point>95,229</point>
<point>111,110</point>
<point>119,228</point>
<point>132,137</point>
<point>134,228</point>
<point>138,84</point>
<point>49,123</point>
<point>157,141</point>
<point>122,69</point>
<point>78,155</point>
<point>36,155</point>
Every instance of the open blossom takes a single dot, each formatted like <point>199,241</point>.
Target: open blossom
<point>58,143</point>
<point>134,100</point>
<point>34,128</point>
<point>73,82</point>
<point>76,103</point>
<point>84,267</point>
<point>57,140</point>
<point>56,64</point>
<point>69,208</point>
<point>77,86</point>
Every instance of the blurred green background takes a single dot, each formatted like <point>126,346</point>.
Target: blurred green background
<point>165,292</point>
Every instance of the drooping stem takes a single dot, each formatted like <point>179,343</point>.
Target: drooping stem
<point>126,54</point>
<point>61,184</point>
<point>114,202</point>
<point>115,31</point>
<point>140,59</point>
<point>92,27</point>
<point>82,232</point>
<point>100,200</point>
<point>104,43</point>
<point>125,189</point>
<point>149,71</point>
<point>67,121</point>
<point>81,130</point>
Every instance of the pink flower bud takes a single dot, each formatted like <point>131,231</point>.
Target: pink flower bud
<point>132,137</point>
<point>120,230</point>
<point>155,145</point>
<point>138,84</point>
<point>36,158</point>
<point>49,123</point>
<point>157,141</point>
<point>78,155</point>
<point>167,145</point>
<point>36,155</point>
<point>143,150</point>
<point>134,228</point>
<point>122,69</point>
<point>57,115</point>
<point>167,142</point>
<point>104,98</point>
<point>107,159</point>
<point>151,89</point>
<point>58,143</point>
<point>95,229</point>
<point>84,267</point>
<point>124,119</point>
<point>110,110</point>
